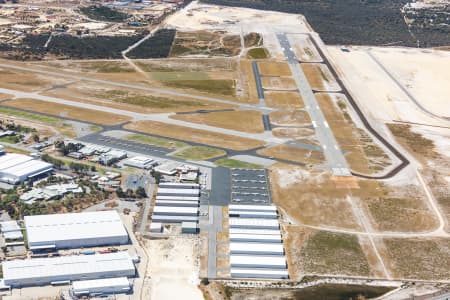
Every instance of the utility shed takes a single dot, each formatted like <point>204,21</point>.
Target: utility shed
<point>254,223</point>
<point>252,214</point>
<point>257,248</point>
<point>101,286</point>
<point>189,227</point>
<point>44,271</point>
<point>175,211</point>
<point>75,230</point>
<point>252,207</point>
<point>255,238</point>
<point>178,192</point>
<point>257,262</point>
<point>259,273</point>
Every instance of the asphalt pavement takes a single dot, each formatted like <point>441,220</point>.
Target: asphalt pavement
<point>335,157</point>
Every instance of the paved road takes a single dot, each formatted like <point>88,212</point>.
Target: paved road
<point>259,87</point>
<point>333,154</point>
<point>164,118</point>
<point>147,203</point>
<point>133,86</point>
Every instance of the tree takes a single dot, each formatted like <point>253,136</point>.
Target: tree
<point>36,138</point>
<point>140,192</point>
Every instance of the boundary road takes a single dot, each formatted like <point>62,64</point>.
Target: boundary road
<point>403,160</point>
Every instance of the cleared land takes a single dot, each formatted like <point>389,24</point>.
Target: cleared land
<point>199,153</point>
<point>195,135</point>
<point>4,96</point>
<point>273,68</point>
<point>27,82</point>
<point>290,118</point>
<point>278,83</point>
<point>248,82</point>
<point>68,111</point>
<point>320,78</point>
<point>284,99</point>
<point>219,87</point>
<point>294,154</point>
<point>156,141</point>
<point>304,49</point>
<point>233,163</point>
<point>246,121</point>
<point>419,258</point>
<point>295,133</point>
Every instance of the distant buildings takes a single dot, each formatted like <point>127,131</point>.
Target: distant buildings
<point>50,192</point>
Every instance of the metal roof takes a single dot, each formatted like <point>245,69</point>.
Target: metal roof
<point>253,214</point>
<point>273,238</point>
<point>162,210</point>
<point>254,223</point>
<point>66,266</point>
<point>178,198</point>
<point>82,285</point>
<point>61,227</point>
<point>27,167</point>
<point>259,273</point>
<point>255,248</point>
<point>11,159</point>
<point>175,191</point>
<point>254,231</point>
<point>252,207</point>
<point>258,261</point>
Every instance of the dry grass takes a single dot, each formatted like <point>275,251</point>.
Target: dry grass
<point>131,100</point>
<point>294,154</point>
<point>414,142</point>
<point>68,111</point>
<point>332,253</point>
<point>4,96</point>
<point>22,81</point>
<point>199,153</point>
<point>319,77</point>
<point>426,259</point>
<point>310,197</point>
<point>246,121</point>
<point>194,135</point>
<point>290,118</point>
<point>273,68</point>
<point>287,132</point>
<point>248,82</point>
<point>278,83</point>
<point>284,99</point>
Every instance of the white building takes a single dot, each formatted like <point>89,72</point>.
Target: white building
<point>255,238</point>
<point>175,211</point>
<point>257,262</point>
<point>257,248</point>
<point>252,214</point>
<point>75,230</point>
<point>177,203</point>
<point>259,273</point>
<point>140,162</point>
<point>105,286</point>
<point>271,224</point>
<point>44,271</point>
<point>245,207</point>
<point>178,192</point>
<point>11,230</point>
<point>176,185</point>
<point>17,168</point>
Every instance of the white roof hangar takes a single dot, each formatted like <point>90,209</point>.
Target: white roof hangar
<point>178,192</point>
<point>271,224</point>
<point>101,286</point>
<point>44,271</point>
<point>275,249</point>
<point>16,168</point>
<point>258,262</point>
<point>75,230</point>
<point>259,273</point>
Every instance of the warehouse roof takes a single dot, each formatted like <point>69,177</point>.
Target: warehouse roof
<point>258,261</point>
<point>252,207</point>
<point>275,248</point>
<point>265,273</point>
<point>66,265</point>
<point>86,285</point>
<point>178,198</point>
<point>254,231</point>
<point>253,214</point>
<point>176,191</point>
<point>254,223</point>
<point>27,167</point>
<point>43,228</point>
<point>255,237</point>
<point>11,159</point>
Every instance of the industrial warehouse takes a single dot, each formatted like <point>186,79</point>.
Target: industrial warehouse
<point>18,168</point>
<point>54,270</point>
<point>256,245</point>
<point>75,230</point>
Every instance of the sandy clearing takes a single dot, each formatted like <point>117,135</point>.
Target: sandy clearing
<point>304,49</point>
<point>278,83</point>
<point>424,72</point>
<point>284,99</point>
<point>320,78</point>
<point>378,96</point>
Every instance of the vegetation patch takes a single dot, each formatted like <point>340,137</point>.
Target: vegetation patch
<point>332,253</point>
<point>233,163</point>
<point>413,141</point>
<point>258,53</point>
<point>252,39</point>
<point>426,259</point>
<point>222,87</point>
<point>199,153</point>
<point>157,46</point>
<point>155,141</point>
<point>103,13</point>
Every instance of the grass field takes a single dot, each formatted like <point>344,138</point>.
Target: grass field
<point>155,141</point>
<point>278,83</point>
<point>297,133</point>
<point>68,111</point>
<point>199,153</point>
<point>233,163</point>
<point>219,87</point>
<point>332,253</point>
<point>249,85</point>
<point>414,142</point>
<point>171,76</point>
<point>272,68</point>
<point>284,99</point>
<point>294,154</point>
<point>4,96</point>
<point>22,81</point>
<point>290,118</point>
<point>426,259</point>
<point>258,53</point>
<point>246,121</point>
<point>195,135</point>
